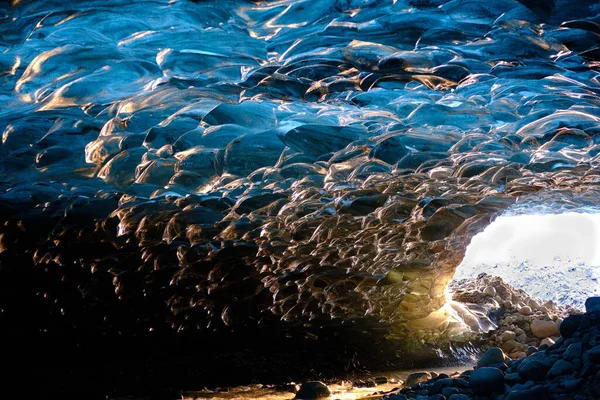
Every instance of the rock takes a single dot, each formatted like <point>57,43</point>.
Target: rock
<point>440,384</point>
<point>519,331</point>
<point>416,377</point>
<point>512,345</point>
<point>594,355</point>
<point>543,347</point>
<point>313,390</point>
<point>508,335</point>
<point>592,305</point>
<point>364,383</point>
<point>437,397</point>
<point>447,383</point>
<point>572,352</point>
<point>526,310</point>
<point>571,384</point>
<point>459,397</point>
<point>522,338</point>
<point>560,367</point>
<point>487,380</point>
<point>494,355</point>
<point>547,341</point>
<point>523,386</point>
<point>381,380</point>
<point>490,291</point>
<point>449,391</point>
<point>543,329</point>
<point>512,378</point>
<point>596,390</point>
<point>570,325</point>
<point>533,370</point>
<point>535,393</point>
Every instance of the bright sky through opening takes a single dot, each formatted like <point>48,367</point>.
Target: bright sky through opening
<point>552,256</point>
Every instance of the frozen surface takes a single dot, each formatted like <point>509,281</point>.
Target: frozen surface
<point>218,165</point>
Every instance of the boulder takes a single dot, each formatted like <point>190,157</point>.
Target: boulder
<point>313,390</point>
<point>486,380</point>
<point>592,305</point>
<point>572,352</point>
<point>570,325</point>
<point>459,397</point>
<point>531,369</point>
<point>560,367</point>
<point>543,329</point>
<point>416,377</point>
<point>493,356</point>
<point>535,393</point>
<point>594,355</point>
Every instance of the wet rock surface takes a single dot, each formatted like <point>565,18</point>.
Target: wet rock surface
<point>517,322</point>
<point>566,370</point>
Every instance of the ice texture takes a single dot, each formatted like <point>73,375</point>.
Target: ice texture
<point>224,164</point>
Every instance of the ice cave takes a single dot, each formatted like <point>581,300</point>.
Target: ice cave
<point>300,199</point>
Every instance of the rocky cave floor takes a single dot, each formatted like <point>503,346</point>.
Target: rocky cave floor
<point>536,350</point>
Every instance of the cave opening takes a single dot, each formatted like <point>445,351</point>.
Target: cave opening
<point>551,256</point>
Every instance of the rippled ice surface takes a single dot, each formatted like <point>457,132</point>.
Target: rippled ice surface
<point>347,150</point>
<point>191,95</point>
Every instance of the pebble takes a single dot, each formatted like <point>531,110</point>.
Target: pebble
<point>525,310</point>
<point>512,345</point>
<point>490,291</point>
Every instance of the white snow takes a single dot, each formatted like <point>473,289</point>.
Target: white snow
<point>550,256</point>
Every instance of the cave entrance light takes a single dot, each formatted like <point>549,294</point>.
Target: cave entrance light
<point>550,256</point>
